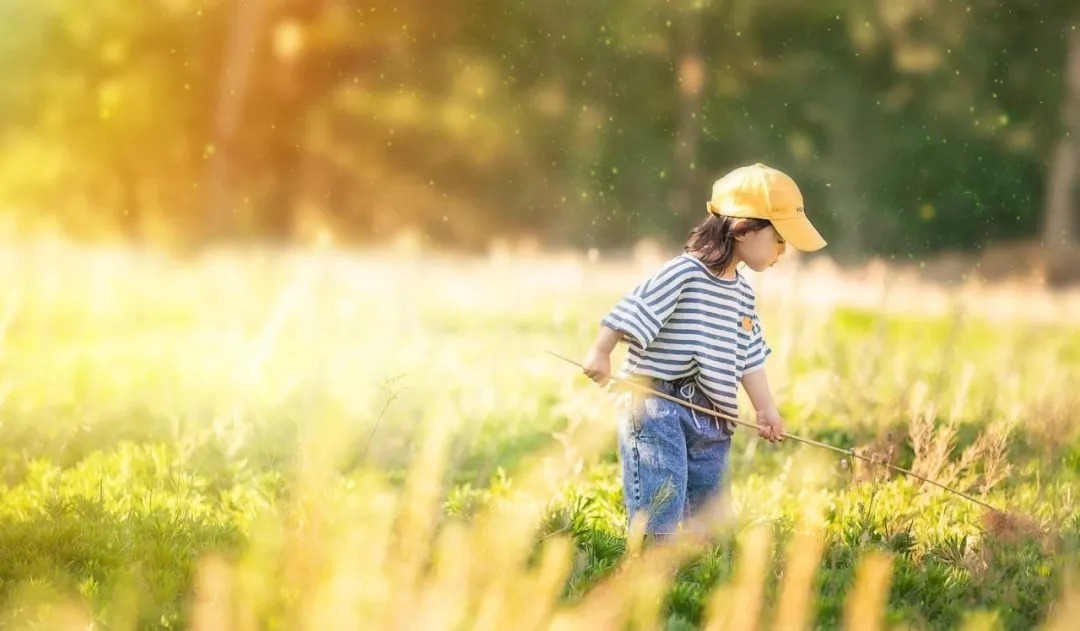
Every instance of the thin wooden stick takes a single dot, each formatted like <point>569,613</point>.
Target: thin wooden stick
<point>717,413</point>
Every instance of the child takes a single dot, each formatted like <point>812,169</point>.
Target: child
<point>694,334</point>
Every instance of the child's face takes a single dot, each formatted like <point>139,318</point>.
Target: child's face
<point>760,249</point>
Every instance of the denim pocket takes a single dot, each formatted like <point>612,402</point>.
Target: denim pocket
<point>656,417</point>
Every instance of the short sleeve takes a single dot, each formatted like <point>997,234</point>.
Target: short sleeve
<point>758,348</point>
<point>642,312</point>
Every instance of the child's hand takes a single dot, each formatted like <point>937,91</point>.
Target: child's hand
<point>770,425</point>
<point>597,366</point>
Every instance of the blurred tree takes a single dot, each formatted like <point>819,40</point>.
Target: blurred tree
<point>104,133</point>
<point>242,36</point>
<point>1063,188</point>
<point>912,127</point>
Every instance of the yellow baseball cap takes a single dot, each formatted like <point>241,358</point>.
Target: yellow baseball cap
<point>762,192</point>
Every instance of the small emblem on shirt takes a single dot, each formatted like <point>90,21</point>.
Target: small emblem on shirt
<point>747,323</point>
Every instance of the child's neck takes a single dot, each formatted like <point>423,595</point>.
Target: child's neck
<point>731,273</point>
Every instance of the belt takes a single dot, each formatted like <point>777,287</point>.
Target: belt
<point>686,390</point>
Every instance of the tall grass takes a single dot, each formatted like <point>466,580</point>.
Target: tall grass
<point>334,440</point>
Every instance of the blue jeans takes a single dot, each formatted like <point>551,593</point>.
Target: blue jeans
<point>674,459</point>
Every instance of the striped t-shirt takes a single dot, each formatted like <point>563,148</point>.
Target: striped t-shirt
<point>684,321</point>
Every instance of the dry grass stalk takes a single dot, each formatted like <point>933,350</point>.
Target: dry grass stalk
<point>865,604</point>
<point>994,444</point>
<point>1065,612</point>
<point>737,607</point>
<point>796,595</point>
<point>212,600</point>
<point>932,445</point>
<point>1054,419</point>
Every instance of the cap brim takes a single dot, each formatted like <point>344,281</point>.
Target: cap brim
<point>800,233</point>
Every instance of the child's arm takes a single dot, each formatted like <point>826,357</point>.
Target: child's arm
<point>638,316</point>
<point>597,363</point>
<point>771,426</point>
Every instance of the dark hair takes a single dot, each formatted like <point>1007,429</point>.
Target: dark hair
<point>713,240</point>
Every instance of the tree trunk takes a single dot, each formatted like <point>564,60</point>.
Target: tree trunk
<point>243,32</point>
<point>131,214</point>
<point>1059,220</point>
<point>691,78</point>
<point>301,77</point>
<point>290,105</point>
<point>847,161</point>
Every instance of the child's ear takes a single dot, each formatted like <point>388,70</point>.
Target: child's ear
<point>738,229</point>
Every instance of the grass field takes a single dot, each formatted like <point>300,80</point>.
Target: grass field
<point>332,440</point>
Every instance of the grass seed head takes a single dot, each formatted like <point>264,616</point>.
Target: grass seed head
<point>1008,526</point>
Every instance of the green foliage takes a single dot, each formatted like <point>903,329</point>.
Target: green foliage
<point>127,519</point>
<point>146,427</point>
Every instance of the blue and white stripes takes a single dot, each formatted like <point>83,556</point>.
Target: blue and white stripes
<point>684,321</point>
